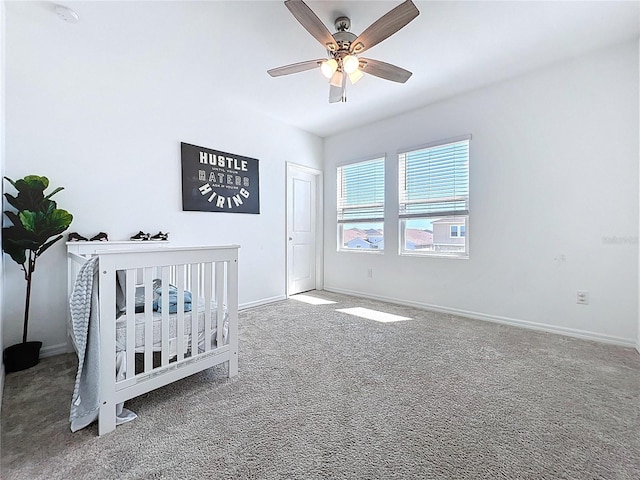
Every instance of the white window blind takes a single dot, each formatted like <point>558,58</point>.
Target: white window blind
<point>361,192</point>
<point>434,181</point>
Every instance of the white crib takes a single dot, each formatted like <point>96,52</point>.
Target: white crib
<point>168,346</point>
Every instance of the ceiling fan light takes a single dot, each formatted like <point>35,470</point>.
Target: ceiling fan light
<point>336,80</point>
<point>355,76</point>
<point>329,67</point>
<point>350,63</point>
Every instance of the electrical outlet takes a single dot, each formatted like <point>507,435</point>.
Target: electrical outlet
<point>370,272</point>
<point>582,297</point>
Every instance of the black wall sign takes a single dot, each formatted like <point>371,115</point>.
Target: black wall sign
<point>214,181</point>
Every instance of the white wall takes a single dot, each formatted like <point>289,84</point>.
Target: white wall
<point>553,177</point>
<point>104,118</point>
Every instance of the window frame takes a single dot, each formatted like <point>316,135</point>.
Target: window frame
<point>456,213</point>
<point>378,206</point>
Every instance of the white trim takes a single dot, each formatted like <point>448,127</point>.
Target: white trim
<point>372,251</point>
<point>570,332</point>
<point>1,385</point>
<point>319,223</point>
<point>380,156</point>
<point>436,143</point>
<point>263,301</point>
<point>2,375</point>
<point>304,168</point>
<point>53,350</point>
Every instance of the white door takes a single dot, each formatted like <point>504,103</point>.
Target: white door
<point>301,229</point>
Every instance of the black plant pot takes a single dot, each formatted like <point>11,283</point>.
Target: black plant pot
<point>21,356</point>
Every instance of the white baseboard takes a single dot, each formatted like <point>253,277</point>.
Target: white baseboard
<point>570,332</point>
<point>261,302</point>
<point>54,350</point>
<point>1,384</point>
<point>61,348</point>
<point>586,335</point>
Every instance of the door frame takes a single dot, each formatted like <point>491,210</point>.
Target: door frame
<point>319,254</point>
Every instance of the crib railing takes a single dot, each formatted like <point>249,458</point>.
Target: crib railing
<point>193,276</point>
<point>210,274</point>
<point>205,282</point>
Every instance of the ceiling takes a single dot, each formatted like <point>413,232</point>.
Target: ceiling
<point>451,47</point>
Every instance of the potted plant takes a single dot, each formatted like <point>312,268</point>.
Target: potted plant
<point>35,221</point>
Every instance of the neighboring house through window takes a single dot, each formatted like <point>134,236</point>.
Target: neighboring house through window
<point>434,198</point>
<point>361,205</point>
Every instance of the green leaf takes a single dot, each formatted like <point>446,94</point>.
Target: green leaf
<point>28,220</point>
<point>30,193</point>
<point>54,223</point>
<point>9,245</point>
<point>54,192</point>
<point>35,181</point>
<point>11,182</point>
<point>15,219</point>
<point>13,201</point>
<point>47,245</point>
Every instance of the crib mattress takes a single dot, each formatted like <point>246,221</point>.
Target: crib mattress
<point>140,318</point>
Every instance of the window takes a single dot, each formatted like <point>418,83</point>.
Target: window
<point>457,231</point>
<point>361,206</point>
<point>434,199</point>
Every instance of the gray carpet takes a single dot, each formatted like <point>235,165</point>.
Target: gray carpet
<point>323,394</point>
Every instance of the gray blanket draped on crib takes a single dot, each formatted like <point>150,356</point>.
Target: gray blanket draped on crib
<point>84,309</point>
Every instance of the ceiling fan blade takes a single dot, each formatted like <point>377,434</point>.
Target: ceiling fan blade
<point>311,23</point>
<point>384,70</point>
<point>295,67</point>
<point>385,26</point>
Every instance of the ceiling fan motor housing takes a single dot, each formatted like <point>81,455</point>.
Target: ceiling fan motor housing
<point>344,40</point>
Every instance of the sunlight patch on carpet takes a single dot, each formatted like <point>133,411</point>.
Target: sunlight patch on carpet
<point>373,314</point>
<point>311,300</point>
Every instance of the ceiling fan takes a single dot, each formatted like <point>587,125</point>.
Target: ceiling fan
<point>343,48</point>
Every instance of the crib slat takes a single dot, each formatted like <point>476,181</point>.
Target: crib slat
<point>164,356</point>
<point>131,323</point>
<point>232,302</point>
<point>208,288</point>
<point>107,414</point>
<point>219,301</point>
<point>148,319</point>
<point>195,287</point>
<point>179,279</point>
<point>201,276</point>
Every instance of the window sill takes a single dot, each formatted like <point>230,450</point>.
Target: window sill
<point>435,255</point>
<point>369,251</point>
